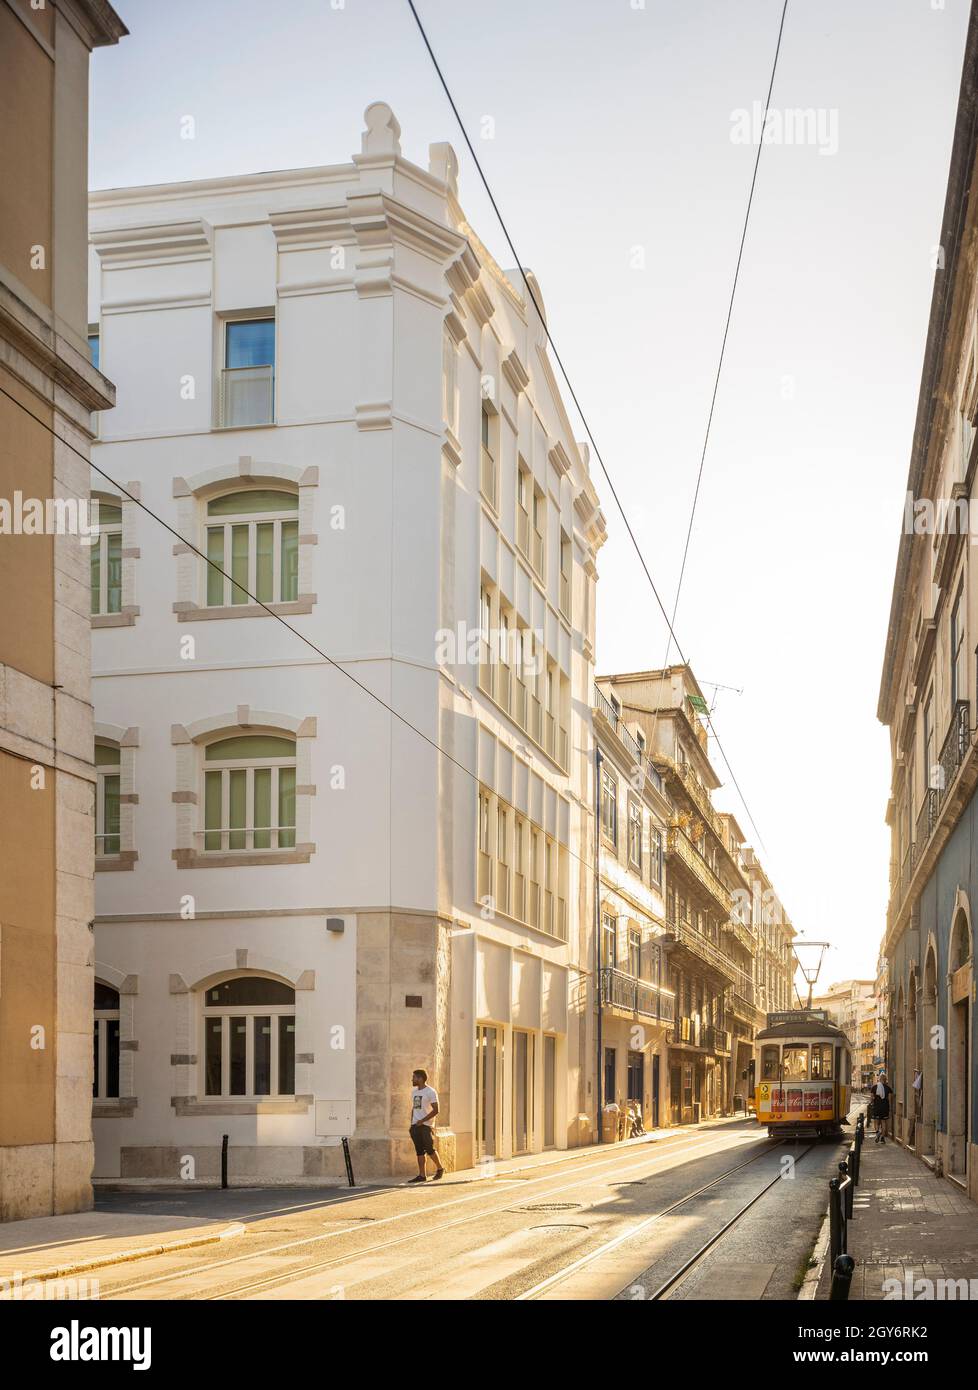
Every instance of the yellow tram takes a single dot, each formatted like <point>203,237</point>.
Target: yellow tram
<point>802,1074</point>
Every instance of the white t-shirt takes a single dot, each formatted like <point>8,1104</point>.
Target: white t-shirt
<point>422,1098</point>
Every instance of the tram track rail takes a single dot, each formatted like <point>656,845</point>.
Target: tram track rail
<point>664,1289</point>
<point>607,1170</point>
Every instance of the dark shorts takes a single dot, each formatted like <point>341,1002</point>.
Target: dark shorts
<point>424,1139</point>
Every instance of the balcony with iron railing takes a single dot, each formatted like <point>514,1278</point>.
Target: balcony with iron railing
<point>690,1031</point>
<point>681,847</point>
<point>604,707</point>
<point>689,939</point>
<point>740,932</point>
<point>954,750</point>
<point>632,996</point>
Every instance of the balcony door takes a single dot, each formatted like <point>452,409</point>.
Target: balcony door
<point>488,1056</point>
<point>522,1091</point>
<point>549,1091</point>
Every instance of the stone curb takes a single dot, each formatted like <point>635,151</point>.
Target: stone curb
<point>167,1247</point>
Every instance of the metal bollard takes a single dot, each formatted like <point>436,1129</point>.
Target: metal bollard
<point>843,1268</point>
<point>349,1161</point>
<point>836,1238</point>
<point>224,1160</point>
<point>846,1186</point>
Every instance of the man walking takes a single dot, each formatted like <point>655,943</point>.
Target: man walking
<point>424,1108</point>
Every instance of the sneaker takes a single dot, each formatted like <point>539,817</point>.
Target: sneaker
<point>439,1174</point>
<point>417,1179</point>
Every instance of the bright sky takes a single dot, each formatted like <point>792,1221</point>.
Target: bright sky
<point>611,146</point>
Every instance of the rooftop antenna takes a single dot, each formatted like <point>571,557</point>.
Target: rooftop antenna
<point>810,967</point>
<point>716,686</point>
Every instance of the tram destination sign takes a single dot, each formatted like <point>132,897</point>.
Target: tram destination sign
<point>798,1016</point>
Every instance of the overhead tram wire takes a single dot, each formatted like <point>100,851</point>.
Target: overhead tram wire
<point>564,373</point>
<point>713,401</point>
<point>331,661</point>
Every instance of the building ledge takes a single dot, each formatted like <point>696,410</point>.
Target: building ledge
<point>243,859</point>
<point>191,613</point>
<point>188,1106</point>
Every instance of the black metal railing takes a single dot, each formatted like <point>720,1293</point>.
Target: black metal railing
<point>942,774</point>
<point>623,991</point>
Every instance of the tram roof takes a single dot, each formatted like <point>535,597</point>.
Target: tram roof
<point>804,1028</point>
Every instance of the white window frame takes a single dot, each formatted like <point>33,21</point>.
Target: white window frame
<point>225,373</point>
<point>249,1012</point>
<point>249,766</point>
<point>102,1019</point>
<point>102,772</point>
<point>252,520</point>
<point>100,545</point>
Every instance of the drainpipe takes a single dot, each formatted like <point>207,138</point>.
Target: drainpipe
<point>597,934</point>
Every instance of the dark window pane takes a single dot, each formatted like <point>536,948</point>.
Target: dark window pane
<point>213,1029</point>
<point>105,996</point>
<point>98,1027</point>
<point>286,1056</point>
<point>112,1058</point>
<point>238,1075</point>
<point>250,343</point>
<point>249,989</point>
<point>263,1054</point>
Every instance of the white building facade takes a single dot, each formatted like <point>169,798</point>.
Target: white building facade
<point>344,412</point>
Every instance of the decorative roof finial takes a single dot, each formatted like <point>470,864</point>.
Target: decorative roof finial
<point>383,133</point>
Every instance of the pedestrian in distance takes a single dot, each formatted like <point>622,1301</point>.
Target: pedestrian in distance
<point>424,1108</point>
<point>881,1106</point>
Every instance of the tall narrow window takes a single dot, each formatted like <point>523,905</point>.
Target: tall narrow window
<point>249,793</point>
<point>249,1038</point>
<point>253,547</point>
<point>565,574</point>
<point>248,376</point>
<point>105,1076</point>
<point>538,536</point>
<point>609,805</point>
<point>930,770</point>
<point>487,466</point>
<point>94,346</point>
<point>106,560</point>
<point>609,939</point>
<point>957,648</point>
<point>634,953</point>
<point>523,490</point>
<point>635,834</point>
<point>107,827</point>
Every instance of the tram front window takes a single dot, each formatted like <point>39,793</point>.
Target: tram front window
<point>821,1061</point>
<point>770,1064</point>
<point>794,1063</point>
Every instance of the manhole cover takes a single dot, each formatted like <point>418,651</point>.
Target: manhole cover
<point>550,1206</point>
<point>567,1226</point>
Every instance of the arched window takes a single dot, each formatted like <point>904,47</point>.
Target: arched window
<point>105,1082</point>
<point>249,1038</point>
<point>249,793</point>
<point>253,537</point>
<point>106,561</point>
<point>107,822</point>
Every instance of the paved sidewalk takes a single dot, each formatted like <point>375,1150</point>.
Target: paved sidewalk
<point>58,1247</point>
<point>909,1228</point>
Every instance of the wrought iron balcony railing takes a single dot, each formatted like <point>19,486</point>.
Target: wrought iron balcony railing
<point>622,991</point>
<point>679,844</point>
<point>943,774</point>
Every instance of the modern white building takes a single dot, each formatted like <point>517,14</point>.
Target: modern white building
<point>339,410</point>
